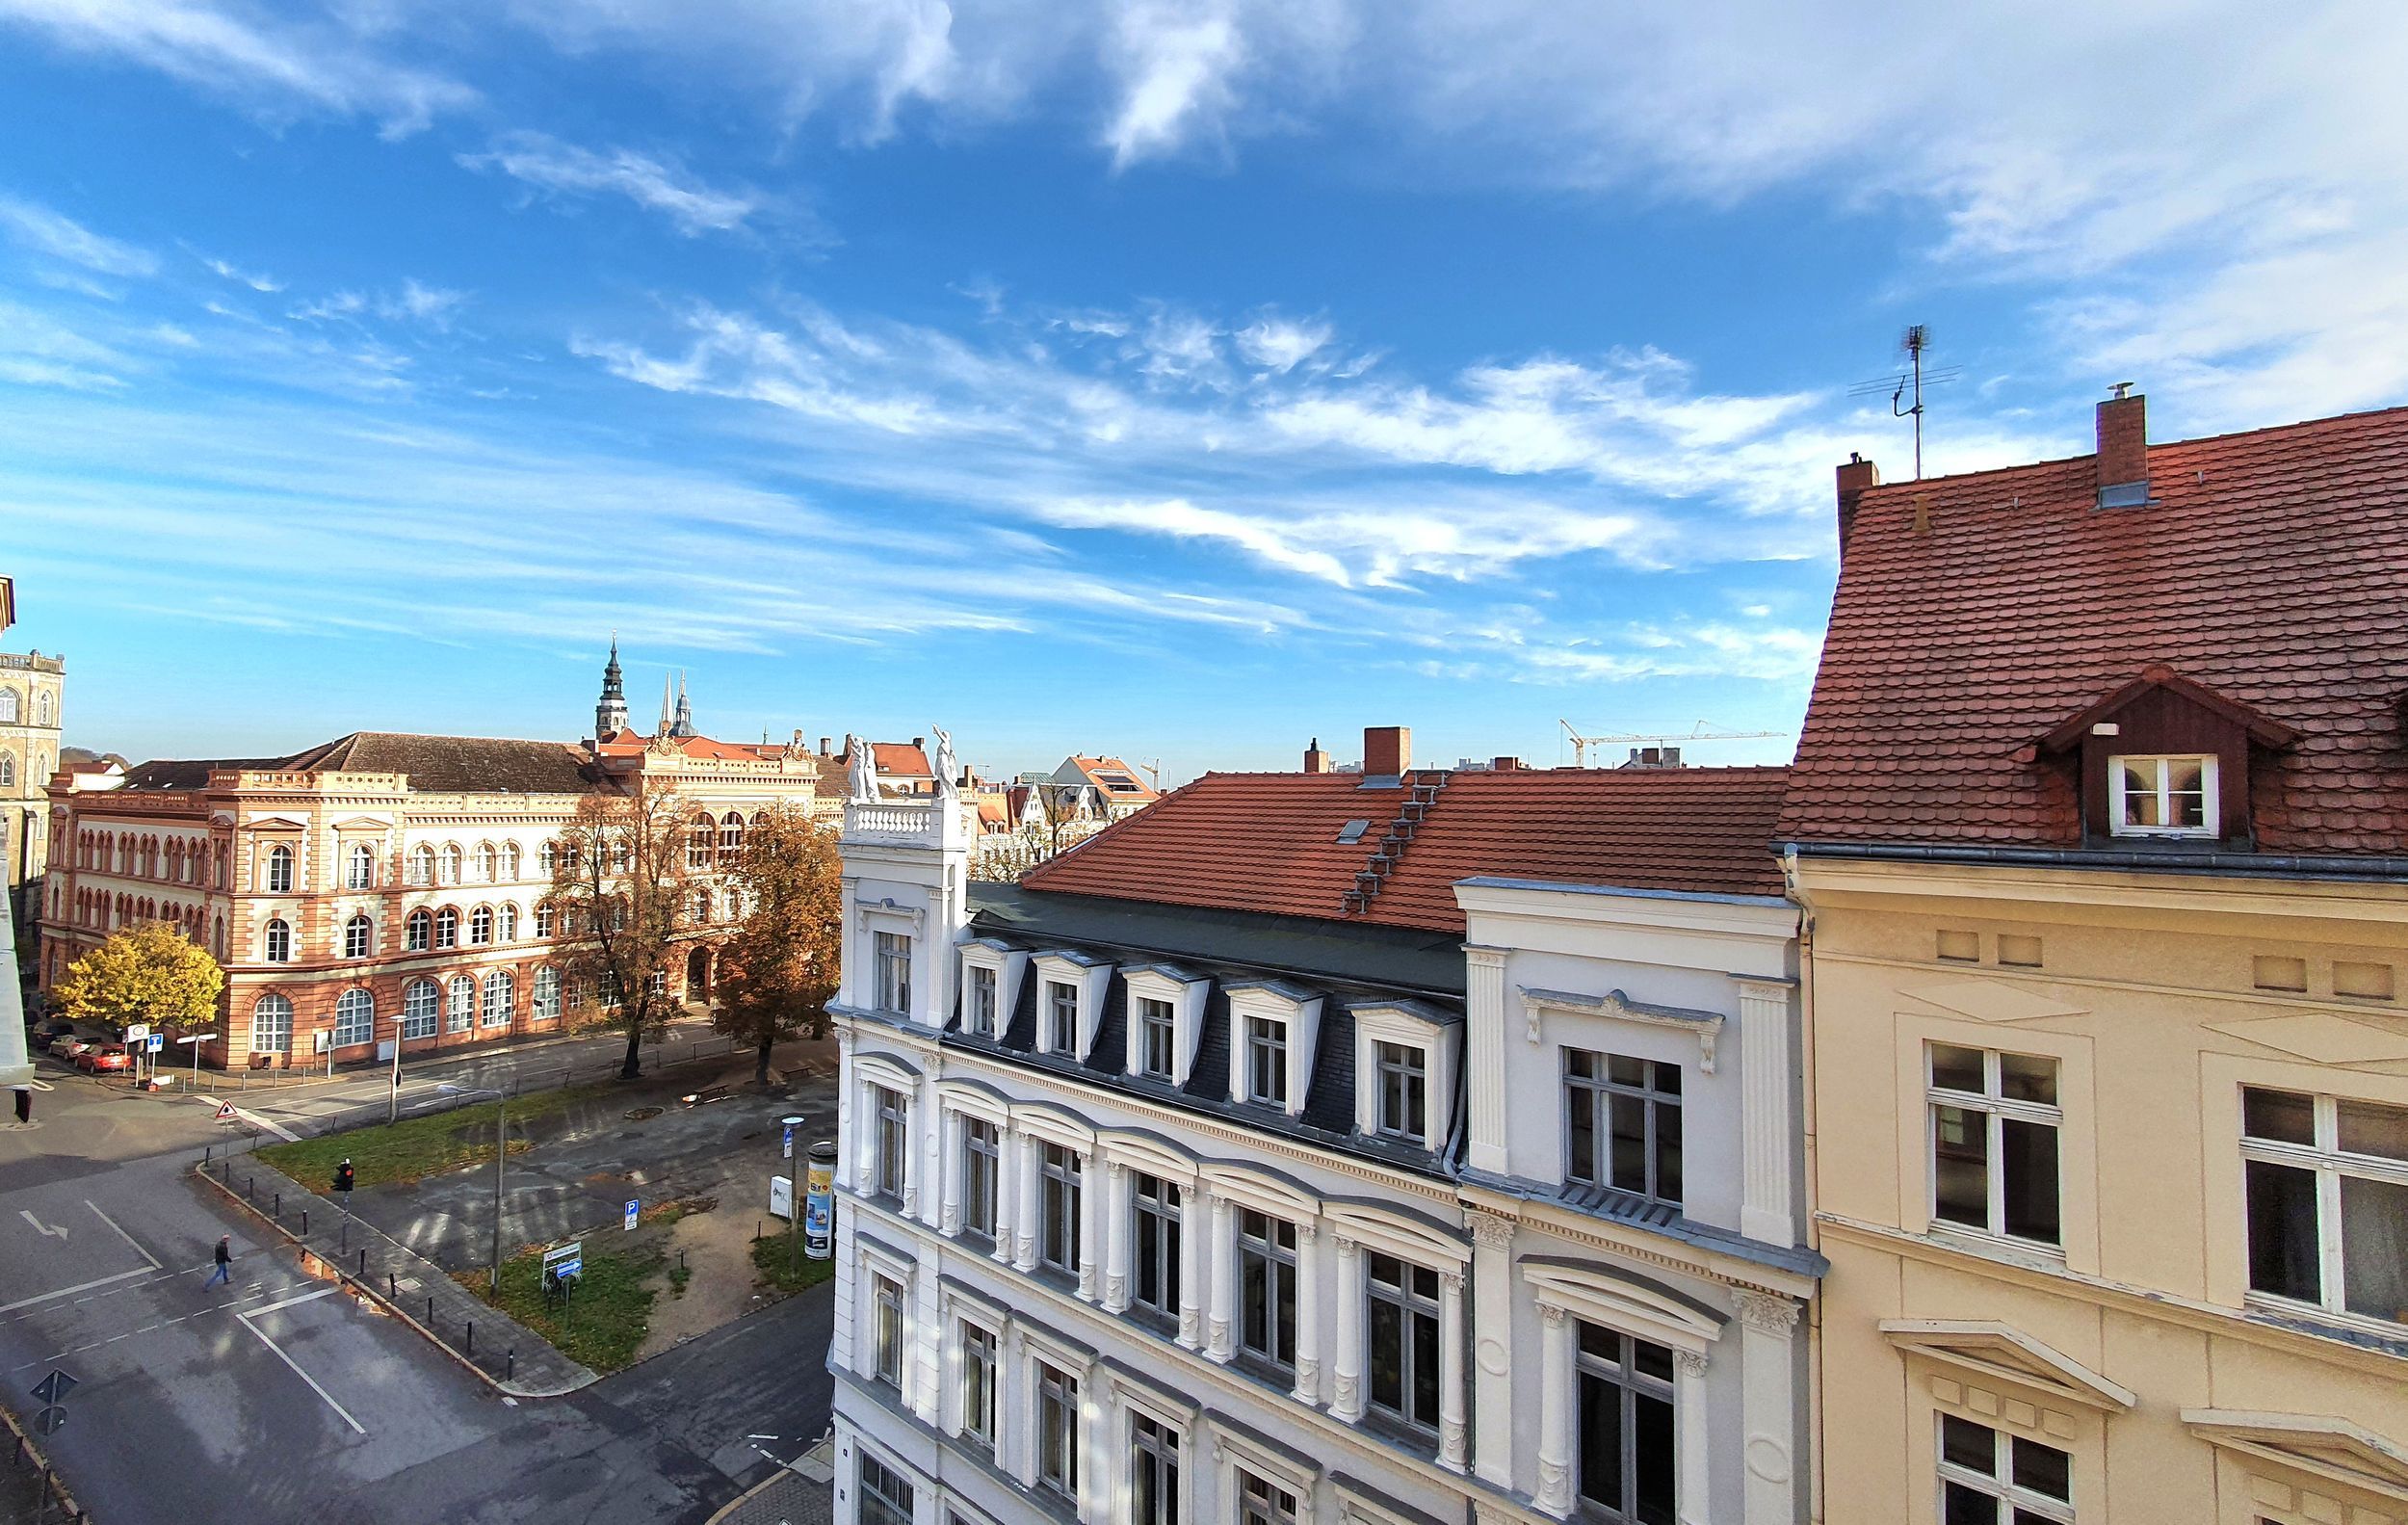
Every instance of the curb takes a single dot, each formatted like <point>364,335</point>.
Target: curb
<point>395,1309</point>
<point>23,1445</point>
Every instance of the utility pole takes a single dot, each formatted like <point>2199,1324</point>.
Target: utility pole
<point>501,1155</point>
<point>393,1096</point>
<point>794,1193</point>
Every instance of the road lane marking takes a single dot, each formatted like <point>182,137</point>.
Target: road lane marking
<point>68,1291</point>
<point>246,1320</point>
<point>121,1233</point>
<point>259,1121</point>
<point>46,1230</point>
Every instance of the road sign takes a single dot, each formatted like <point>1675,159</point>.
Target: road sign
<point>158,1042</point>
<point>786,1146</point>
<point>136,1032</point>
<point>50,1419</point>
<point>634,1205</point>
<point>564,1260</point>
<point>225,1112</point>
<point>54,1389</point>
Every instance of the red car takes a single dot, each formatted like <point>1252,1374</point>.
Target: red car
<point>103,1056</point>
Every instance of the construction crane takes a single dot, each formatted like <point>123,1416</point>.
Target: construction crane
<point>1703,732</point>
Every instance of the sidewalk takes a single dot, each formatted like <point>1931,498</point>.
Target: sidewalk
<point>802,1494</point>
<point>688,1033</point>
<point>506,1353</point>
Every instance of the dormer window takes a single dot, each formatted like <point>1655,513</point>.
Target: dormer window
<point>1266,1062</point>
<point>1156,1040</point>
<point>2162,796</point>
<point>1404,1055</point>
<point>1061,1017</point>
<point>1166,1006</point>
<point>1070,988</point>
<point>1274,1030</point>
<point>983,1001</point>
<point>1401,1105</point>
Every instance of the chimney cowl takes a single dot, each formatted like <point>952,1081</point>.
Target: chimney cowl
<point>2123,460</point>
<point>1316,760</point>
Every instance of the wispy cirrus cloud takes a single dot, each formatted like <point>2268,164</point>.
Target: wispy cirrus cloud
<point>44,231</point>
<point>656,184</point>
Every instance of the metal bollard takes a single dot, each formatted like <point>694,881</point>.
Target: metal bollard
<point>471,1348</point>
<point>364,1262</point>
<point>392,1289</point>
<point>512,1372</point>
<point>430,1313</point>
<point>305,1222</point>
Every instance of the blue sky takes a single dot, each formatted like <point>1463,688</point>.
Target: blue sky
<point>1180,379</point>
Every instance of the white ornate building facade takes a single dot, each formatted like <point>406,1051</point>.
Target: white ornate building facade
<point>1425,1151</point>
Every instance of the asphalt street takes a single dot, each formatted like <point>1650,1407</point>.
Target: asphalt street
<point>279,1396</point>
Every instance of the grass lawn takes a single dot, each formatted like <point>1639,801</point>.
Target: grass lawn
<point>775,1257</point>
<point>416,1146</point>
<point>603,1323</point>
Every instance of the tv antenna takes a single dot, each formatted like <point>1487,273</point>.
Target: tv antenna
<point>1915,378</point>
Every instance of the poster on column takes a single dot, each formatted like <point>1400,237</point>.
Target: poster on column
<point>818,1203</point>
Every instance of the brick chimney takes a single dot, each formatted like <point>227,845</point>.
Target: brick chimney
<point>2124,449</point>
<point>1316,760</point>
<point>1506,765</point>
<point>1855,475</point>
<point>1387,750</point>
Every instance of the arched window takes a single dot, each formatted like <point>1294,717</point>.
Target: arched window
<point>450,862</point>
<point>418,932</point>
<point>271,1024</point>
<point>355,1019</point>
<point>544,921</point>
<point>731,836</point>
<point>219,878</point>
<point>488,863</point>
<point>547,999</point>
<point>359,937</point>
<point>447,928</point>
<point>279,871</point>
<point>701,906</point>
<point>279,940</point>
<point>735,906</point>
<point>359,867</point>
<point>422,865</point>
<point>499,991</point>
<point>701,838</point>
<point>460,1005</point>
<point>480,925</point>
<point>422,1003</point>
<point>510,861</point>
<point>548,859</point>
<point>8,706</point>
<point>41,709</point>
<point>505,923</point>
<point>8,769</point>
<point>217,937</point>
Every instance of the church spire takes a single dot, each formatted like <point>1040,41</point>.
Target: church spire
<point>683,726</point>
<point>611,713</point>
<point>668,685</point>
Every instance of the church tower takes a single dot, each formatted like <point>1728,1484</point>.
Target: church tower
<point>683,726</point>
<point>611,714</point>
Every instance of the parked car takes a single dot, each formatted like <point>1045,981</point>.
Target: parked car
<point>65,1046</point>
<point>52,1027</point>
<point>97,1057</point>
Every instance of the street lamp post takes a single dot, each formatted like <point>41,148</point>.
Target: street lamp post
<point>794,1191</point>
<point>393,1096</point>
<point>501,1155</point>
<point>196,1039</point>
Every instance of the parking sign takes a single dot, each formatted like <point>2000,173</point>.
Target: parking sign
<point>633,1206</point>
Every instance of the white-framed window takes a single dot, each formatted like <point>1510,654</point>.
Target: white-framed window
<point>480,925</point>
<point>1154,1238</point>
<point>1987,1475</point>
<point>1165,1014</point>
<point>886,1331</point>
<point>1622,1119</point>
<point>1157,1039</point>
<point>2162,796</point>
<point>422,1007</point>
<point>448,863</point>
<point>1061,1017</point>
<point>8,706</point>
<point>886,1496</point>
<point>418,932</point>
<point>1059,1173</point>
<point>488,862</point>
<point>1994,1122</point>
<point>277,945</point>
<point>979,1370</point>
<point>271,1024</point>
<point>1264,1502</point>
<point>893,966</point>
<point>355,1019</point>
<point>510,861</point>
<point>422,865</point>
<point>547,994</point>
<point>1401,1318</point>
<point>1153,1471</point>
<point>983,1009</point>
<point>447,928</point>
<point>359,937</point>
<point>1266,1277</point>
<point>546,920</point>
<point>1401,1102</point>
<point>2327,1185</point>
<point>981,1160</point>
<point>1266,1061</point>
<point>279,877</point>
<point>1626,1442</point>
<point>460,1004</point>
<point>505,923</point>
<point>1057,1430</point>
<point>891,1116</point>
<point>701,836</point>
<point>548,859</point>
<point>359,867</point>
<point>500,992</point>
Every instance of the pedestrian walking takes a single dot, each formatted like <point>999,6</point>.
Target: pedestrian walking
<point>225,1263</point>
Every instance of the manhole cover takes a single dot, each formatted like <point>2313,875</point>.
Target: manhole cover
<point>642,1113</point>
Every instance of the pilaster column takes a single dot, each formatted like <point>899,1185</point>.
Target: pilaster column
<point>1090,1227</point>
<point>1014,1399</point>
<point>1768,1115</point>
<point>1224,1279</point>
<point>1098,1480</point>
<point>915,1200</point>
<point>1308,1308</point>
<point>848,1123</point>
<point>1453,1442</point>
<point>1346,1403</point>
<point>1115,1237</point>
<point>949,1170</point>
<point>1492,1347</point>
<point>1767,1409</point>
<point>1688,1424</point>
<point>1194,1213</point>
<point>1554,1492</point>
<point>1031,1169</point>
<point>865,1138</point>
<point>1485,1056</point>
<point>1007,1190</point>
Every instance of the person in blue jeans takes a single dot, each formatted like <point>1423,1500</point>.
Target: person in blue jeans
<point>225,1263</point>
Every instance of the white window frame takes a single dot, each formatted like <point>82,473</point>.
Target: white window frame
<point>359,866</point>
<point>421,865</point>
<point>1186,995</point>
<point>1299,1012</point>
<point>963,1122</point>
<point>2013,1502</point>
<point>278,856</point>
<point>963,1315</point>
<point>418,931</point>
<point>981,999</point>
<point>350,1028</point>
<point>1378,1023</point>
<point>1135,1403</point>
<point>460,1004</point>
<point>1088,978</point>
<point>889,993</point>
<point>1008,965</point>
<point>492,1013</point>
<point>883,1508</point>
<point>545,1004</point>
<point>1079,1370</point>
<point>2328,1162</point>
<point>2210,803</point>
<point>271,1024</point>
<point>1996,1110</point>
<point>422,1009</point>
<point>1234,1454</point>
<point>276,941</point>
<point>359,937</point>
<point>873,1260</point>
<point>887,1303</point>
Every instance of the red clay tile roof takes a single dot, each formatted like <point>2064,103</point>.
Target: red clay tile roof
<point>1117,778</point>
<point>1268,842</point>
<point>2272,569</point>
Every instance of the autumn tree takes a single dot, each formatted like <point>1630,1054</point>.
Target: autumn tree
<point>148,972</point>
<point>622,882</point>
<point>780,970</point>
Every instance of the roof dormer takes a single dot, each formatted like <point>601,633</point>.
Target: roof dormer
<point>2165,758</point>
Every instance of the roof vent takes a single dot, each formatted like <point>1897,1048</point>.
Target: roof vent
<point>1352,830</point>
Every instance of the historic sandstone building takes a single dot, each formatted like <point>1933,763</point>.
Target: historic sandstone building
<point>31,706</point>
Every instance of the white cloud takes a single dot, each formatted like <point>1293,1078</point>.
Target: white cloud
<point>1282,344</point>
<point>257,282</point>
<point>655,184</point>
<point>1174,63</point>
<point>48,232</point>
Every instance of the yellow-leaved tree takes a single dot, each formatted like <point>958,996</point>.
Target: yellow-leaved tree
<point>150,973</point>
<point>779,972</point>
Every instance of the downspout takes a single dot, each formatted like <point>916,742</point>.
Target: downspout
<point>1796,888</point>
